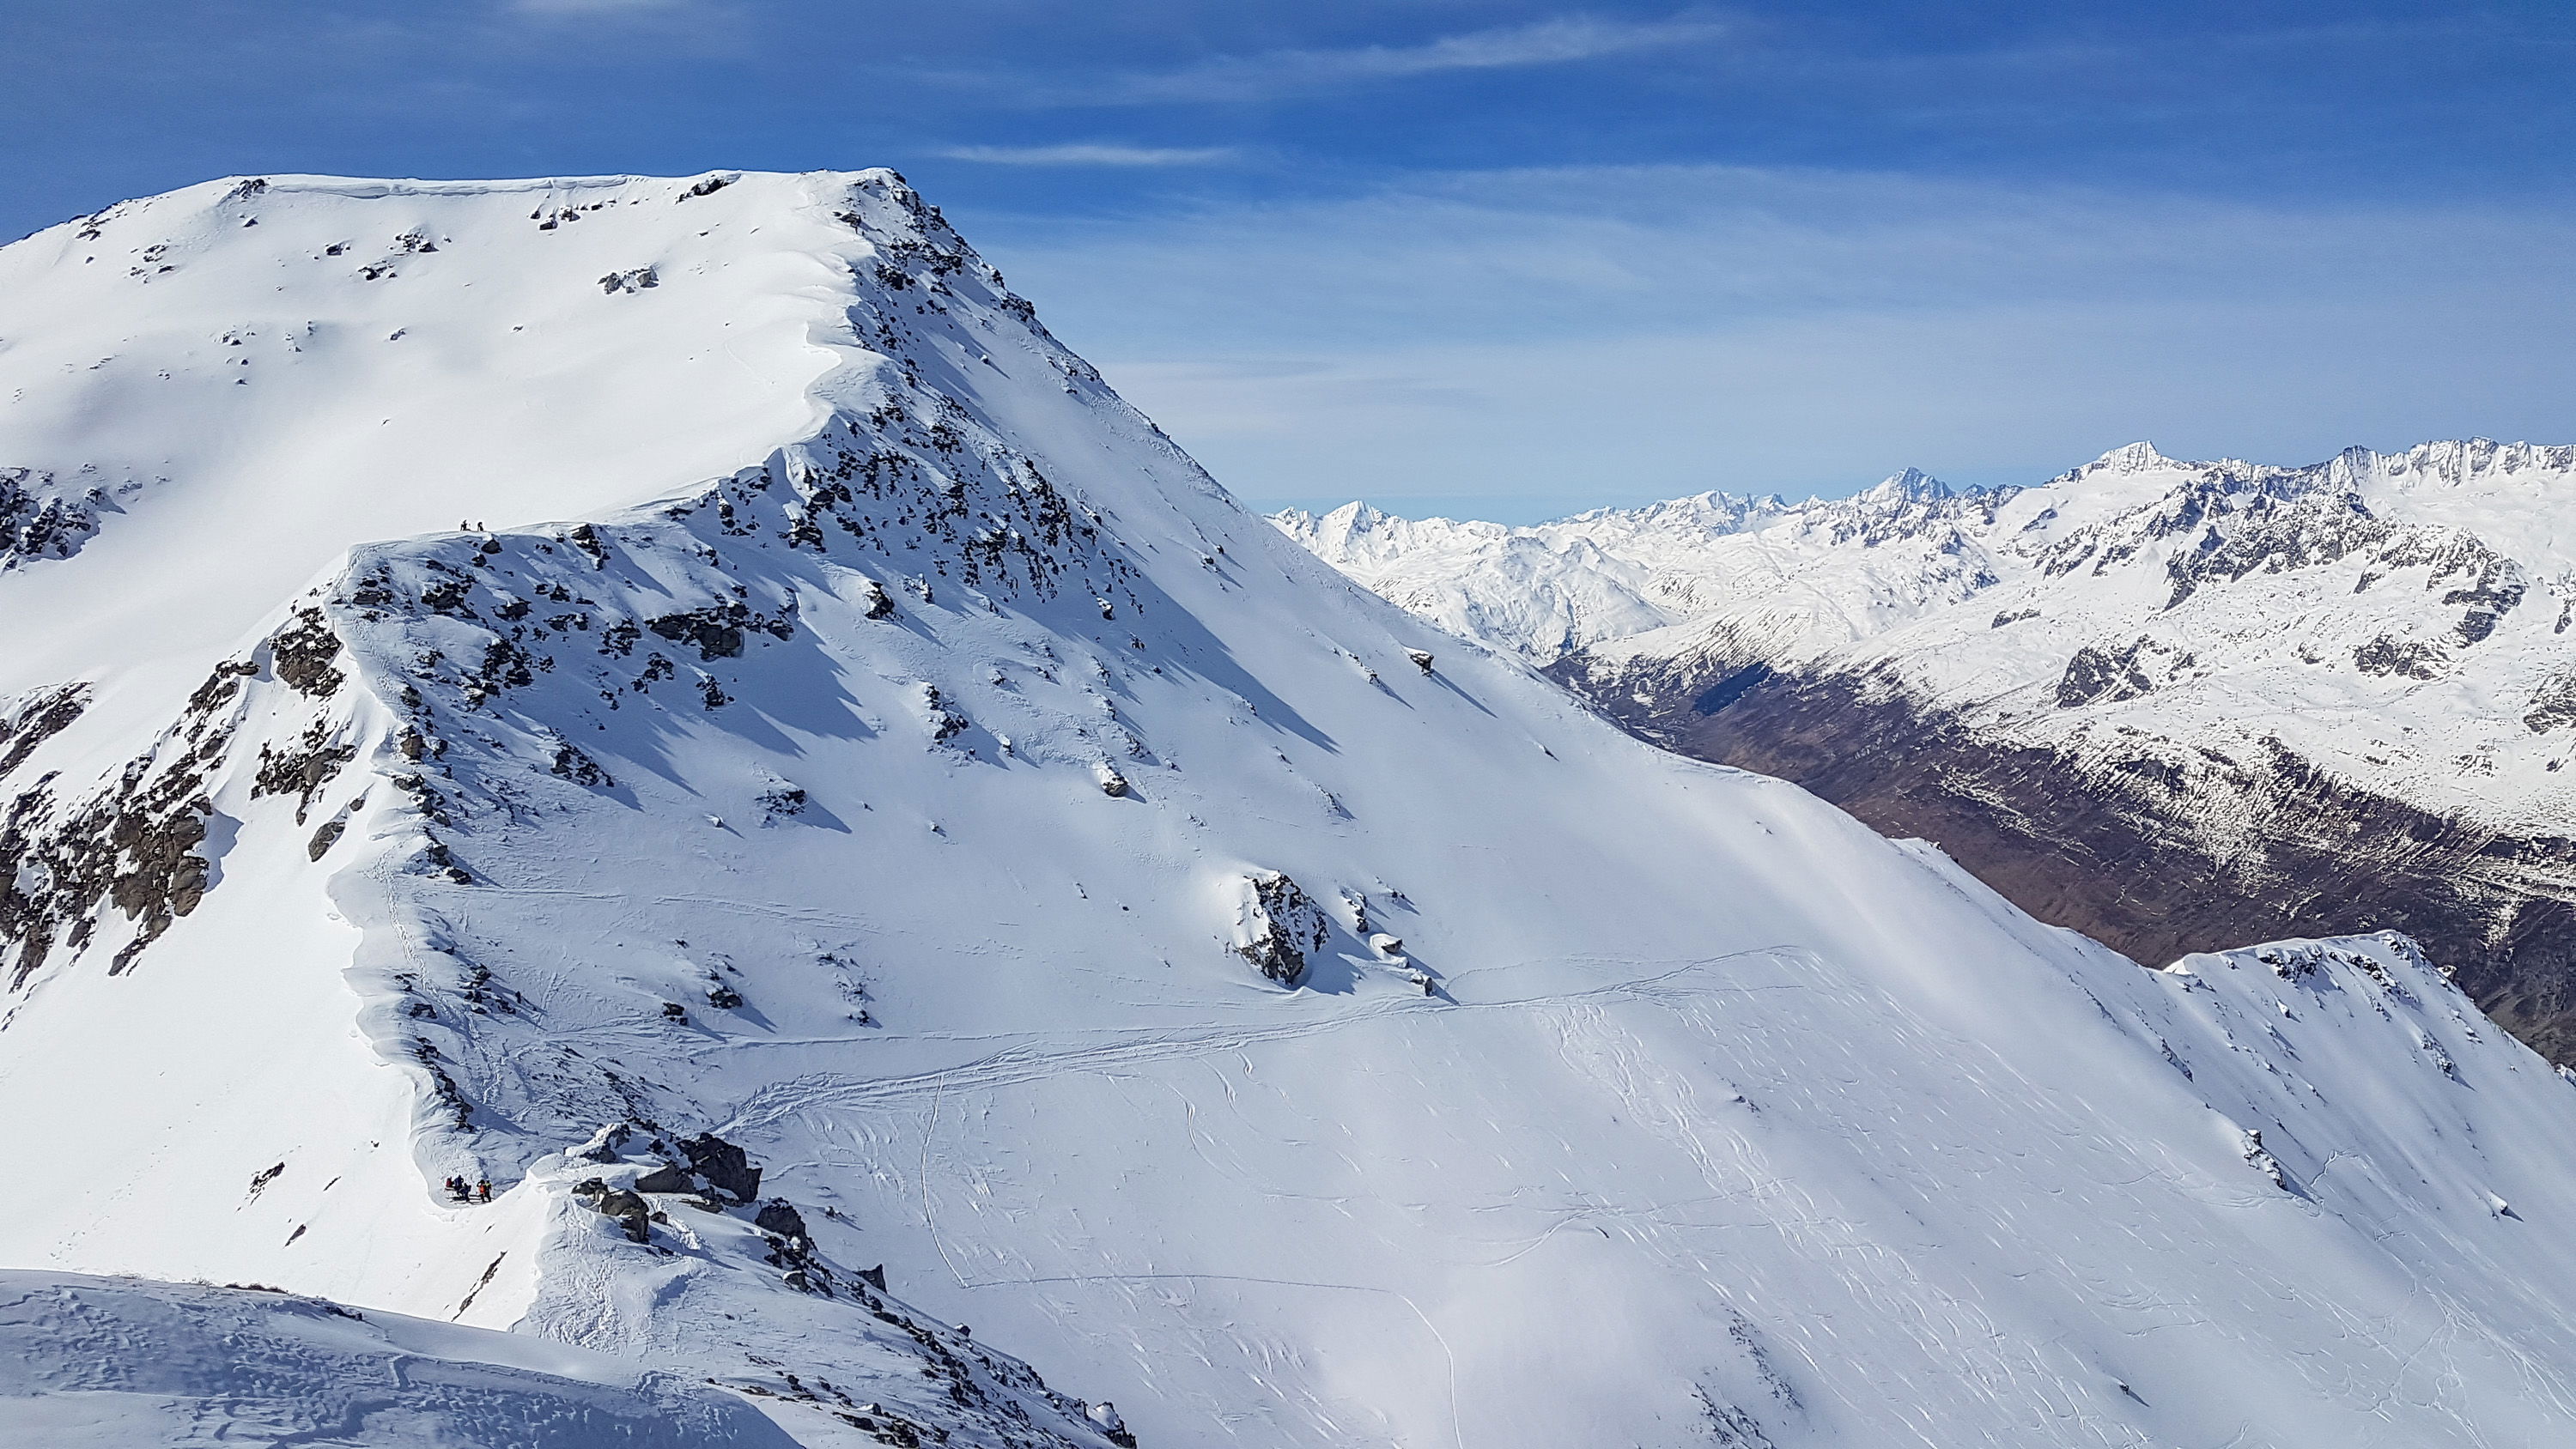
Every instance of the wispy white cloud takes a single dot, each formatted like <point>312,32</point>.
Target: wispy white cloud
<point>576,8</point>
<point>712,32</point>
<point>1560,41</point>
<point>1540,341</point>
<point>1094,153</point>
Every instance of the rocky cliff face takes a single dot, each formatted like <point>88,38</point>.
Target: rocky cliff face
<point>2170,704</point>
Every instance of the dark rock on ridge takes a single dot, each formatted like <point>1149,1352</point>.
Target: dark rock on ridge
<point>722,1165</point>
<point>36,718</point>
<point>666,1178</point>
<point>633,1214</point>
<point>779,1216</point>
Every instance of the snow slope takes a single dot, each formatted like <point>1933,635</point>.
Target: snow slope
<point>1255,1006</point>
<point>109,1363</point>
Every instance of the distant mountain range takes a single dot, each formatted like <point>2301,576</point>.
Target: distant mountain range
<point>2171,704</point>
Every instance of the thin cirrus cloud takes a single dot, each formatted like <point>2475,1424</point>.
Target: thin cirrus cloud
<point>552,8</point>
<point>1521,344</point>
<point>1093,153</point>
<point>1560,41</point>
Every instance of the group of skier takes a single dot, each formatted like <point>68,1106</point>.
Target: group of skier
<point>459,1190</point>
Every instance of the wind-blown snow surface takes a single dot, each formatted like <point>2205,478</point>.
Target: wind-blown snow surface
<point>106,1363</point>
<point>917,804</point>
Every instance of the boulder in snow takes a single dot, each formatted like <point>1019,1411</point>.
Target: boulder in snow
<point>722,1165</point>
<point>666,1178</point>
<point>631,1211</point>
<point>779,1216</point>
<point>1276,924</point>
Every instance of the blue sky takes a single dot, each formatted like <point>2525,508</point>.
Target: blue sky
<point>1511,260</point>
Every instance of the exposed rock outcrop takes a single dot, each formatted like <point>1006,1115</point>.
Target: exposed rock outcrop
<point>722,1165</point>
<point>1277,925</point>
<point>632,1212</point>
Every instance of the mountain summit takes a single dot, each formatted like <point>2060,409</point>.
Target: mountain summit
<point>678,703</point>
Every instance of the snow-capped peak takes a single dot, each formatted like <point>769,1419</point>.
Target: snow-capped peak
<point>1911,485</point>
<point>2134,457</point>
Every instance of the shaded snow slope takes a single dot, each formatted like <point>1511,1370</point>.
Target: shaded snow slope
<point>123,1363</point>
<point>1258,1008</point>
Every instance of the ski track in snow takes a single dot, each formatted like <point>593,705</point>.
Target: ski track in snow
<point>1042,1057</point>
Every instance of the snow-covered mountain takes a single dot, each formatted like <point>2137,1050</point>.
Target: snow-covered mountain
<point>2173,704</point>
<point>855,836</point>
